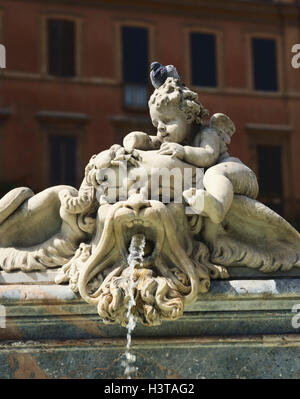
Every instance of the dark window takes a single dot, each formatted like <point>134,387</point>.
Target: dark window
<point>135,66</point>
<point>61,48</point>
<point>135,55</point>
<point>203,53</point>
<point>270,176</point>
<point>62,160</point>
<point>264,64</point>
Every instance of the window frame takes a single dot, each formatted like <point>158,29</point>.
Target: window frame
<point>55,158</point>
<point>118,36</point>
<point>218,33</point>
<point>64,124</point>
<point>249,62</point>
<point>44,45</point>
<point>151,29</point>
<point>125,85</point>
<point>278,135</point>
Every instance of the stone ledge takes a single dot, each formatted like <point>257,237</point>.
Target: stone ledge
<point>290,340</point>
<point>48,276</point>
<point>231,290</point>
<point>229,308</point>
<point>39,277</point>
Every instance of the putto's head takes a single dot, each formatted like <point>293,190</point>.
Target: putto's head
<point>175,111</point>
<point>172,92</point>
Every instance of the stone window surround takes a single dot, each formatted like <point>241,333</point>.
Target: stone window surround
<point>249,61</point>
<point>264,134</point>
<point>66,124</point>
<point>218,33</point>
<point>118,42</point>
<point>43,44</point>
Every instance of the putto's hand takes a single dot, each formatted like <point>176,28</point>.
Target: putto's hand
<point>195,199</point>
<point>173,149</point>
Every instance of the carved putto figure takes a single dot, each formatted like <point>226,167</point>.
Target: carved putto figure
<point>86,234</point>
<point>178,116</point>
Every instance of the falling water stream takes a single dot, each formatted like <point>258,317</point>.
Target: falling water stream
<point>135,258</point>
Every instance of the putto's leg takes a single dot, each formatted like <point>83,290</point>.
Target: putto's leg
<point>205,204</point>
<point>221,182</point>
<point>218,195</point>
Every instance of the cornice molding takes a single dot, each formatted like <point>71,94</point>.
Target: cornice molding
<point>227,8</point>
<point>45,116</point>
<point>268,128</point>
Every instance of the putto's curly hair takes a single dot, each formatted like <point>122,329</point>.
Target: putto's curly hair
<point>173,92</point>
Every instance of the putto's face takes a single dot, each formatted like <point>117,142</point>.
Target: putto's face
<point>171,123</point>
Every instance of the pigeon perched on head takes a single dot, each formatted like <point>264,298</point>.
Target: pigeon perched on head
<point>159,73</point>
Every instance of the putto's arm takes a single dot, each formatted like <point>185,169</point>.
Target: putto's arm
<point>207,152</point>
<point>141,141</point>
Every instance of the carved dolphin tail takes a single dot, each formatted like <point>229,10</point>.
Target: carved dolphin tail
<point>12,200</point>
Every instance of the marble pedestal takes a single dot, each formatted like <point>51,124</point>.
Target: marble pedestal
<point>242,328</point>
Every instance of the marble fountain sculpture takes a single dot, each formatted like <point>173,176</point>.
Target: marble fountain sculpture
<point>180,191</point>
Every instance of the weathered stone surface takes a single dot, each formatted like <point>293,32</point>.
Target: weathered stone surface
<point>230,308</point>
<point>41,277</point>
<point>250,357</point>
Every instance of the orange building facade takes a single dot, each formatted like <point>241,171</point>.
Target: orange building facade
<point>80,114</point>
